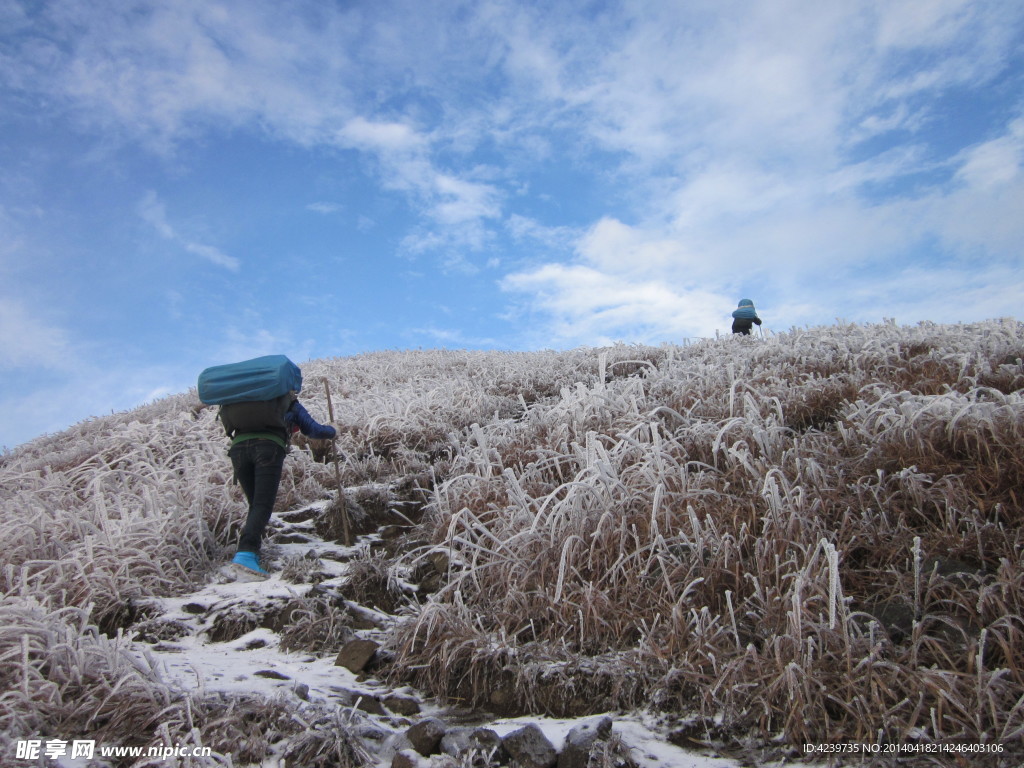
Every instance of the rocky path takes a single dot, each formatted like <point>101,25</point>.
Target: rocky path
<point>300,636</point>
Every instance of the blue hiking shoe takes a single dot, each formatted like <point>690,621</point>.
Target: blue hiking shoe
<point>247,567</point>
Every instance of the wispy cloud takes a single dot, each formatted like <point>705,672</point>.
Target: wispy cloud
<point>90,388</point>
<point>456,205</point>
<point>451,337</point>
<point>154,213</point>
<point>163,74</point>
<point>54,376</point>
<point>994,163</point>
<point>325,208</point>
<point>249,336</point>
<point>28,339</point>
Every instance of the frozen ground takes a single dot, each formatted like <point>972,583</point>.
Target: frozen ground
<point>254,663</point>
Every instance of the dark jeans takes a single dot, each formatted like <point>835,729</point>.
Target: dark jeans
<point>258,465</point>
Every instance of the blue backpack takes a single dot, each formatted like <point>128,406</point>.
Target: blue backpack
<point>259,379</point>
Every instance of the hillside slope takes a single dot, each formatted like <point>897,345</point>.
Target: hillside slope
<point>810,538</point>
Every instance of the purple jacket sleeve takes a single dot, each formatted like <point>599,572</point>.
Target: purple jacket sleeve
<point>299,417</point>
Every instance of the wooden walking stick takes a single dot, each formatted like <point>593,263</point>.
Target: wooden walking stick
<point>337,471</point>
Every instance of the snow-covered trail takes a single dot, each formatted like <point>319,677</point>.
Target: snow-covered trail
<point>225,637</point>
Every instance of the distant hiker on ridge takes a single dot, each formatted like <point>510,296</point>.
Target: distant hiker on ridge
<point>744,316</point>
<point>260,411</point>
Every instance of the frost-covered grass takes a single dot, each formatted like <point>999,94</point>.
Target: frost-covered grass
<point>813,537</point>
<point>99,520</point>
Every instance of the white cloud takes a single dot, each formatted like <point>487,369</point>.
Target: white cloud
<point>995,162</point>
<point>248,338</point>
<point>154,213</point>
<point>614,247</point>
<point>213,255</point>
<point>933,23</point>
<point>940,293</point>
<point>552,238</point>
<point>162,73</point>
<point>591,307</point>
<point>325,208</point>
<point>731,191</point>
<point>71,379</point>
<point>91,389</point>
<point>456,206</point>
<point>28,340</point>
<point>452,337</point>
<point>806,258</point>
<point>381,137</point>
<point>461,201</point>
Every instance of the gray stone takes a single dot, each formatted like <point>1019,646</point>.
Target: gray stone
<point>356,655</point>
<point>271,674</point>
<point>370,704</point>
<point>581,740</point>
<point>530,748</point>
<point>373,737</point>
<point>361,700</point>
<point>462,741</point>
<point>426,735</point>
<point>397,742</point>
<point>402,705</point>
<point>407,758</point>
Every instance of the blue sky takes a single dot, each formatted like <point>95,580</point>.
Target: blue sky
<point>193,182</point>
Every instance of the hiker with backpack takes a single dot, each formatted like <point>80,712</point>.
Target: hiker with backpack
<point>744,317</point>
<point>260,428</point>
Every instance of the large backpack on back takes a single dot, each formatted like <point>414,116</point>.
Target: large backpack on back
<point>253,395</point>
<point>262,378</point>
<point>257,416</point>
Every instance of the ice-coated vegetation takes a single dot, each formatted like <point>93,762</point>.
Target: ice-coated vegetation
<point>806,538</point>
